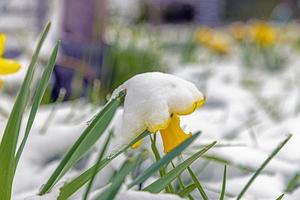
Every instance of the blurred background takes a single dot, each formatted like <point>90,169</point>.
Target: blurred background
<point>104,42</point>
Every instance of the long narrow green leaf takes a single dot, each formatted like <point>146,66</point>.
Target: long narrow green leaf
<point>118,179</point>
<point>280,197</point>
<point>101,154</point>
<point>85,142</point>
<point>39,93</point>
<point>293,183</point>
<point>164,160</point>
<point>162,182</point>
<point>162,170</point>
<point>275,151</point>
<point>198,184</point>
<point>187,190</point>
<point>70,188</point>
<point>11,133</point>
<point>223,184</point>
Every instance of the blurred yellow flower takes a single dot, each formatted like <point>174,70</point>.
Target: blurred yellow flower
<point>213,41</point>
<point>263,34</point>
<point>238,31</point>
<point>204,35</point>
<point>7,66</point>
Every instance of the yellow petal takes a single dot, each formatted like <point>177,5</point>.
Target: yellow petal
<point>8,66</point>
<point>173,135</point>
<point>1,83</point>
<point>2,43</point>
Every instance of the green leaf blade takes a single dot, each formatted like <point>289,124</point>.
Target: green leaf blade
<point>187,190</point>
<point>269,158</point>
<point>40,91</point>
<point>198,184</point>
<point>11,133</point>
<point>85,142</point>
<point>162,182</point>
<point>164,160</point>
<point>119,178</point>
<point>223,183</point>
<point>70,188</point>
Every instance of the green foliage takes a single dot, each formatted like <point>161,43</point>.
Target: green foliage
<point>264,164</point>
<point>40,91</point>
<point>118,179</point>
<point>162,182</point>
<point>293,183</point>
<point>280,197</point>
<point>198,184</point>
<point>85,142</point>
<point>101,155</point>
<point>163,161</point>
<point>186,191</point>
<point>223,184</point>
<point>73,186</point>
<point>8,146</point>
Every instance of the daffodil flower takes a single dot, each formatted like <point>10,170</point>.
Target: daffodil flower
<point>155,101</point>
<point>263,34</point>
<point>238,31</point>
<point>213,41</point>
<point>7,66</point>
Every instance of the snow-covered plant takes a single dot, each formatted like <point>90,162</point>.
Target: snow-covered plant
<point>153,102</point>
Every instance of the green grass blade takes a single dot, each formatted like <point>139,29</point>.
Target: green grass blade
<point>119,178</point>
<point>85,142</point>
<point>70,188</point>
<point>162,170</point>
<point>102,152</point>
<point>187,190</point>
<point>163,161</point>
<point>162,182</point>
<point>198,184</point>
<point>275,151</point>
<point>11,133</point>
<point>293,183</point>
<point>223,184</point>
<point>280,197</point>
<point>40,91</point>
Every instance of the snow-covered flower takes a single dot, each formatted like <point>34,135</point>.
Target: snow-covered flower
<point>154,101</point>
<point>7,66</point>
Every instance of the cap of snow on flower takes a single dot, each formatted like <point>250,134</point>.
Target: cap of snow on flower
<point>154,101</point>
